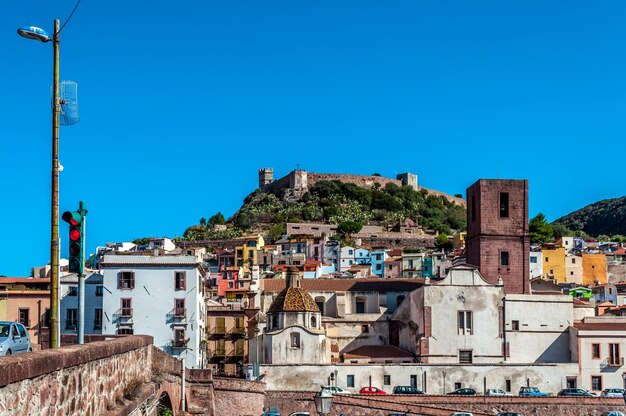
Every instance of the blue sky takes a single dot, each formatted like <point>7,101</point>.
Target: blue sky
<point>182,102</point>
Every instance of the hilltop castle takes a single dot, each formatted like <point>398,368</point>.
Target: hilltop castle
<point>296,183</point>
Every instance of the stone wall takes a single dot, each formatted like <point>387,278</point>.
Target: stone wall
<point>358,405</point>
<point>238,396</point>
<point>75,380</point>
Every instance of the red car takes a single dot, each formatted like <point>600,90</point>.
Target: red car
<point>371,390</point>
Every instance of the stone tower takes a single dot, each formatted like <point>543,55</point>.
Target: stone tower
<point>408,179</point>
<point>266,176</point>
<point>497,232</point>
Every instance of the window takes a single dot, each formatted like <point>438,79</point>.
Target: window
<point>614,357</point>
<point>350,252</point>
<point>320,300</point>
<point>515,325</point>
<point>220,347</point>
<point>390,266</point>
<point>45,321</point>
<point>410,264</point>
<point>571,273</point>
<point>546,260</point>
<point>179,280</point>
<point>125,330</point>
<point>573,261</point>
<point>239,348</point>
<point>457,385</point>
<point>71,319</point>
<point>179,307</point>
<point>126,280</point>
<point>220,325</point>
<point>504,205</point>
<point>387,380</point>
<point>295,340</point>
<point>533,259</point>
<point>507,386</point>
<point>360,305</point>
<point>73,291</point>
<point>465,356</point>
<point>379,266</point>
<point>99,291</point>
<point>378,256</point>
<point>504,258</point>
<point>465,323</point>
<point>350,380</point>
<point>126,307</point>
<point>24,317</point>
<point>313,322</point>
<point>596,383</point>
<point>22,331</point>
<point>230,285</point>
<point>97,320</point>
<point>365,329</point>
<point>595,350</point>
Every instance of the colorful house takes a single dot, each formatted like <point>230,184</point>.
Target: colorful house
<point>594,269</point>
<point>554,263</point>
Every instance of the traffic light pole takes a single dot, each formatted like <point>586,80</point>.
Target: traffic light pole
<point>54,339</point>
<point>81,277</point>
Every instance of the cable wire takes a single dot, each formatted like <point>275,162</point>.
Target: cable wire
<point>69,17</point>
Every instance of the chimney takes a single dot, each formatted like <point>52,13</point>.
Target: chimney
<point>293,277</point>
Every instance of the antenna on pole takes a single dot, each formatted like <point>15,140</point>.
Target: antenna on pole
<point>68,95</point>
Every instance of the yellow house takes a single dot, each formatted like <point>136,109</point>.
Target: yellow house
<point>458,240</point>
<point>554,263</point>
<point>246,253</point>
<point>594,269</point>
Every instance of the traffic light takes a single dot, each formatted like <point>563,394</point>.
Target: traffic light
<point>75,220</point>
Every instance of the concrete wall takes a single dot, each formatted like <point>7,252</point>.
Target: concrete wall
<point>430,378</point>
<point>543,335</point>
<point>78,380</point>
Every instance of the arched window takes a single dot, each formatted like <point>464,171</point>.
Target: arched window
<point>295,339</point>
<point>313,322</point>
<point>275,322</point>
<point>360,304</point>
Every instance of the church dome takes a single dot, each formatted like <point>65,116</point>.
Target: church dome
<point>293,299</point>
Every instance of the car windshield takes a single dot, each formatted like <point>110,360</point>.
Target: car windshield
<point>4,330</point>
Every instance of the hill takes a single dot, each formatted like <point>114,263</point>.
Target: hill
<point>606,217</point>
<point>268,209</point>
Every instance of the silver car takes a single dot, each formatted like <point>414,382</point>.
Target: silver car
<point>14,338</point>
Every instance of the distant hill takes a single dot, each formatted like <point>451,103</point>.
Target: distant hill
<point>606,217</point>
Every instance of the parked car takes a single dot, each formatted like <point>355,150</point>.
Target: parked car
<point>371,390</point>
<point>574,393</point>
<point>497,392</point>
<point>406,390</point>
<point>613,413</point>
<point>299,414</point>
<point>465,391</point>
<point>509,414</point>
<point>532,392</point>
<point>272,411</point>
<point>335,390</point>
<point>14,338</point>
<point>461,414</point>
<point>612,393</point>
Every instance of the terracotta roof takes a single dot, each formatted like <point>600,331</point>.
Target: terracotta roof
<point>582,304</point>
<point>395,252</point>
<point>620,252</point>
<point>609,304</point>
<point>348,285</point>
<point>293,299</point>
<point>377,351</point>
<point>600,326</point>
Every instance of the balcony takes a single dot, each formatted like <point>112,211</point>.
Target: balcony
<point>177,316</point>
<point>123,315</point>
<point>180,344</point>
<point>616,362</point>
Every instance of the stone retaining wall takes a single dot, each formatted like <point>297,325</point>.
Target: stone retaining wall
<point>75,380</point>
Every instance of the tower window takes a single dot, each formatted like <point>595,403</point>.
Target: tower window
<point>504,205</point>
<point>504,258</point>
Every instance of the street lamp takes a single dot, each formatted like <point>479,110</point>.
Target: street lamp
<point>32,32</point>
<point>323,402</point>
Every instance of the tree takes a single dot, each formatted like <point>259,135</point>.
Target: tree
<point>277,231</point>
<point>217,219</point>
<point>561,230</point>
<point>349,227</point>
<point>540,230</point>
<point>443,242</point>
<point>203,222</point>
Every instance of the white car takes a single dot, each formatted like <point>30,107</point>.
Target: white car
<point>612,393</point>
<point>497,392</point>
<point>299,414</point>
<point>335,390</point>
<point>461,414</point>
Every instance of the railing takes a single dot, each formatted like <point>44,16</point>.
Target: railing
<point>180,344</point>
<point>123,314</point>
<point>617,362</point>
<point>179,312</point>
<point>218,353</point>
<point>237,331</point>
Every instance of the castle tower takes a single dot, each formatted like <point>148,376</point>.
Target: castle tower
<point>408,179</point>
<point>497,232</point>
<point>266,176</point>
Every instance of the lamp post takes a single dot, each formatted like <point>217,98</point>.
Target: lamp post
<point>36,33</point>
<point>323,402</point>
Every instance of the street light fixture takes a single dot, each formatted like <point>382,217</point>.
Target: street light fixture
<point>323,402</point>
<point>32,32</point>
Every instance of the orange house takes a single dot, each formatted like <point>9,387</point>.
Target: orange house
<point>594,269</point>
<point>27,300</point>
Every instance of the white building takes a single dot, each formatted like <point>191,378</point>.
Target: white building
<point>347,257</point>
<point>160,296</point>
<point>536,264</point>
<point>68,298</point>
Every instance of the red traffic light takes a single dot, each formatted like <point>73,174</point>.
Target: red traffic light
<point>74,234</point>
<point>73,218</point>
